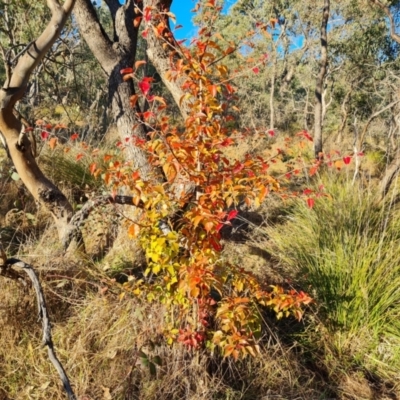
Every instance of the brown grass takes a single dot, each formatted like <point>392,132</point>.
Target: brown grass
<point>99,335</point>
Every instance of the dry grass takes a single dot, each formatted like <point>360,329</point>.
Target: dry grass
<point>98,338</point>
<point>99,335</point>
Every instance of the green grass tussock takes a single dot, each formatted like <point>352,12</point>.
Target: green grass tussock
<point>345,251</point>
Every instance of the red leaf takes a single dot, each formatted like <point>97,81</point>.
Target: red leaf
<point>232,214</point>
<point>227,142</point>
<point>238,167</point>
<point>74,136</point>
<point>306,135</point>
<point>310,203</point>
<point>271,132</point>
<point>313,170</point>
<point>144,86</point>
<point>217,246</point>
<point>126,71</point>
<point>135,175</point>
<point>306,192</point>
<point>147,115</point>
<point>44,135</point>
<point>147,14</point>
<point>219,227</point>
<point>347,160</point>
<point>256,70</point>
<point>79,156</point>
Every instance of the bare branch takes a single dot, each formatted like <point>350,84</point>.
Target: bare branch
<point>371,118</point>
<point>43,315</point>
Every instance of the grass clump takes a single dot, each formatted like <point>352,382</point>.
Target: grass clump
<point>345,250</point>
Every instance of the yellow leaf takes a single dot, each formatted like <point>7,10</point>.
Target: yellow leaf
<point>156,268</point>
<point>196,220</point>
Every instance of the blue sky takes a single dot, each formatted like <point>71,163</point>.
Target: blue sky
<point>181,9</point>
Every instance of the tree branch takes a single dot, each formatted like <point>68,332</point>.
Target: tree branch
<point>20,148</point>
<point>159,50</point>
<point>113,6</point>
<point>386,10</point>
<point>371,118</point>
<point>37,50</point>
<point>43,314</point>
<point>95,36</point>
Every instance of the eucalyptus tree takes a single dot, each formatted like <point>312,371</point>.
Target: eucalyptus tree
<point>18,73</point>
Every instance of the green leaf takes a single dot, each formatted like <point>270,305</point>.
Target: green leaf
<point>153,369</point>
<point>15,176</point>
<point>157,360</point>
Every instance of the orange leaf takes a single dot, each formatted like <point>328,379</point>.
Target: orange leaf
<point>208,226</point>
<point>139,63</point>
<point>133,99</point>
<point>339,164</point>
<point>170,171</point>
<point>213,90</point>
<point>92,168</point>
<point>133,231</point>
<point>53,143</point>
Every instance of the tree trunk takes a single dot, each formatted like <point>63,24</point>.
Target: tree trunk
<point>19,146</point>
<point>318,109</point>
<point>114,56</point>
<point>389,176</point>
